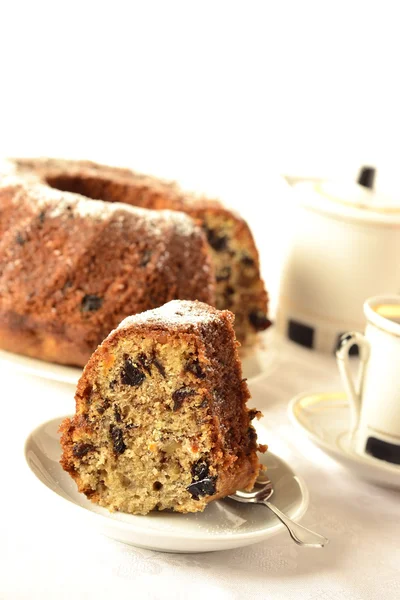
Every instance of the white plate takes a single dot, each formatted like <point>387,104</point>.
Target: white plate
<point>224,524</point>
<point>256,361</point>
<point>324,418</point>
<point>40,368</point>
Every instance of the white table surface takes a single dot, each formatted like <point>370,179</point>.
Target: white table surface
<point>44,555</point>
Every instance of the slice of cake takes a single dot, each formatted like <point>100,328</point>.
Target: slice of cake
<point>161,419</point>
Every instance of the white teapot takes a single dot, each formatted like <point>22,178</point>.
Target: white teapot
<point>345,247</point>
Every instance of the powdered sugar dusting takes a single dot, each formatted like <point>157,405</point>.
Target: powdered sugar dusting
<point>176,313</point>
<point>58,204</point>
<point>183,223</point>
<point>158,221</point>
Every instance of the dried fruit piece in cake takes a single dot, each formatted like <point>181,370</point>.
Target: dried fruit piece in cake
<point>161,419</point>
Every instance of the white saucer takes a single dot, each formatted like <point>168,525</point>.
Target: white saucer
<point>324,418</point>
<point>224,524</point>
<point>256,361</point>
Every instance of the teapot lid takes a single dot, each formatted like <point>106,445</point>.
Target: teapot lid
<point>349,201</point>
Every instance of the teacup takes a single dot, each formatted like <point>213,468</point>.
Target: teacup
<point>374,396</point>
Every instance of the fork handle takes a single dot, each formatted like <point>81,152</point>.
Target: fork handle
<point>299,534</point>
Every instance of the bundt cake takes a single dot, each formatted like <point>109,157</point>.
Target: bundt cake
<point>71,266</point>
<point>161,419</point>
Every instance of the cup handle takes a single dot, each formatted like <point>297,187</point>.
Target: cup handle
<point>353,390</point>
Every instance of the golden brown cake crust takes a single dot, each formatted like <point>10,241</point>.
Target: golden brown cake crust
<point>71,268</point>
<point>215,396</point>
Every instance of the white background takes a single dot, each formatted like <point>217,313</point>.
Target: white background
<point>300,87</point>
